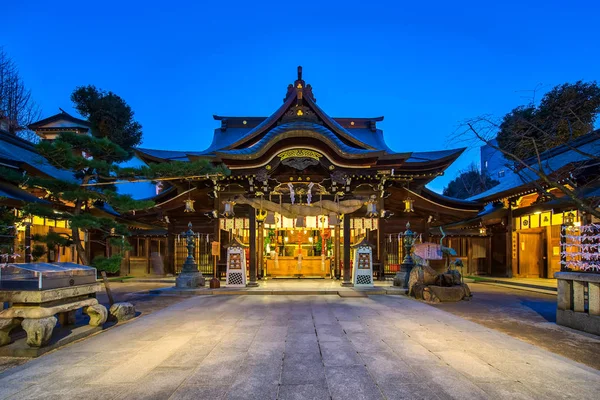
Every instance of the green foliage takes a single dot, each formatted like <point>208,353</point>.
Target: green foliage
<point>468,183</point>
<point>564,113</point>
<point>53,239</point>
<point>173,169</point>
<point>110,264</point>
<point>111,117</point>
<point>38,251</point>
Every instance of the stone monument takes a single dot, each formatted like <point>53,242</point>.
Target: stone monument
<point>190,276</point>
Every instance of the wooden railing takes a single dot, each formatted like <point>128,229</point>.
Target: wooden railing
<point>578,302</point>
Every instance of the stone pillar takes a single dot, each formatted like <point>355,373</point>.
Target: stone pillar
<point>347,268</point>
<point>336,252</point>
<point>252,227</point>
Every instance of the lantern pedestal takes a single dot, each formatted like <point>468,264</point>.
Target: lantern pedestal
<point>402,276</point>
<point>190,277</point>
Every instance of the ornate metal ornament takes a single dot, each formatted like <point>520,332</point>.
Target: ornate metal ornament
<point>299,153</point>
<point>372,208</point>
<point>189,205</point>
<point>228,212</point>
<point>261,215</point>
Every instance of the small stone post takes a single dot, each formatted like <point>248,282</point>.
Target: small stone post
<point>190,276</point>
<point>402,276</point>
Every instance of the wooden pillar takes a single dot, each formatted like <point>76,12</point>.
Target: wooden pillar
<point>252,227</point>
<point>347,278</point>
<point>217,236</point>
<point>381,235</point>
<point>510,272</point>
<point>170,253</point>
<point>488,255</point>
<point>260,251</point>
<point>336,252</point>
<point>147,255</point>
<point>470,257</point>
<point>28,243</point>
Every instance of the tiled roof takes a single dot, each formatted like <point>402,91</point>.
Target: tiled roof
<point>18,151</point>
<point>553,160</point>
<point>299,126</point>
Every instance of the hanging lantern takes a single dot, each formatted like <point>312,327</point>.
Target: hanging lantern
<point>189,205</point>
<point>482,230</point>
<point>270,219</point>
<point>300,222</point>
<point>261,215</point>
<point>569,219</point>
<point>372,208</point>
<point>228,212</point>
<point>408,205</point>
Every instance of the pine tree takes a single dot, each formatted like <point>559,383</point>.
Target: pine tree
<point>94,162</point>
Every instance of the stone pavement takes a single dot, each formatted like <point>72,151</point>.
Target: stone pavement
<point>300,347</point>
<point>528,316</point>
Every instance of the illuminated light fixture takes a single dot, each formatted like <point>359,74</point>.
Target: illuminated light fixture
<point>189,203</point>
<point>228,212</point>
<point>482,230</point>
<point>270,219</point>
<point>569,219</point>
<point>286,239</point>
<point>372,208</point>
<point>537,212</point>
<point>408,205</point>
<point>300,222</point>
<point>189,206</point>
<point>310,239</point>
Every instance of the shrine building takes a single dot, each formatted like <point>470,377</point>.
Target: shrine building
<point>300,183</point>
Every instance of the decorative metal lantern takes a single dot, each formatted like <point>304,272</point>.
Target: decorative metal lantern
<point>189,205</point>
<point>261,215</point>
<point>569,219</point>
<point>372,208</point>
<point>228,212</point>
<point>482,230</point>
<point>270,219</point>
<point>408,205</point>
<point>300,222</point>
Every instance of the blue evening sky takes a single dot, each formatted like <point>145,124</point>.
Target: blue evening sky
<point>425,65</point>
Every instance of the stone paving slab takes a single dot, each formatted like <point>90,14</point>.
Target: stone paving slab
<point>300,347</point>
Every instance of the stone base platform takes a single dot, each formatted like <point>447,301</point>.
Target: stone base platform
<point>60,336</point>
<point>294,287</point>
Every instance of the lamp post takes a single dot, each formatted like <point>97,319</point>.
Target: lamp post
<point>189,277</point>
<point>402,276</point>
